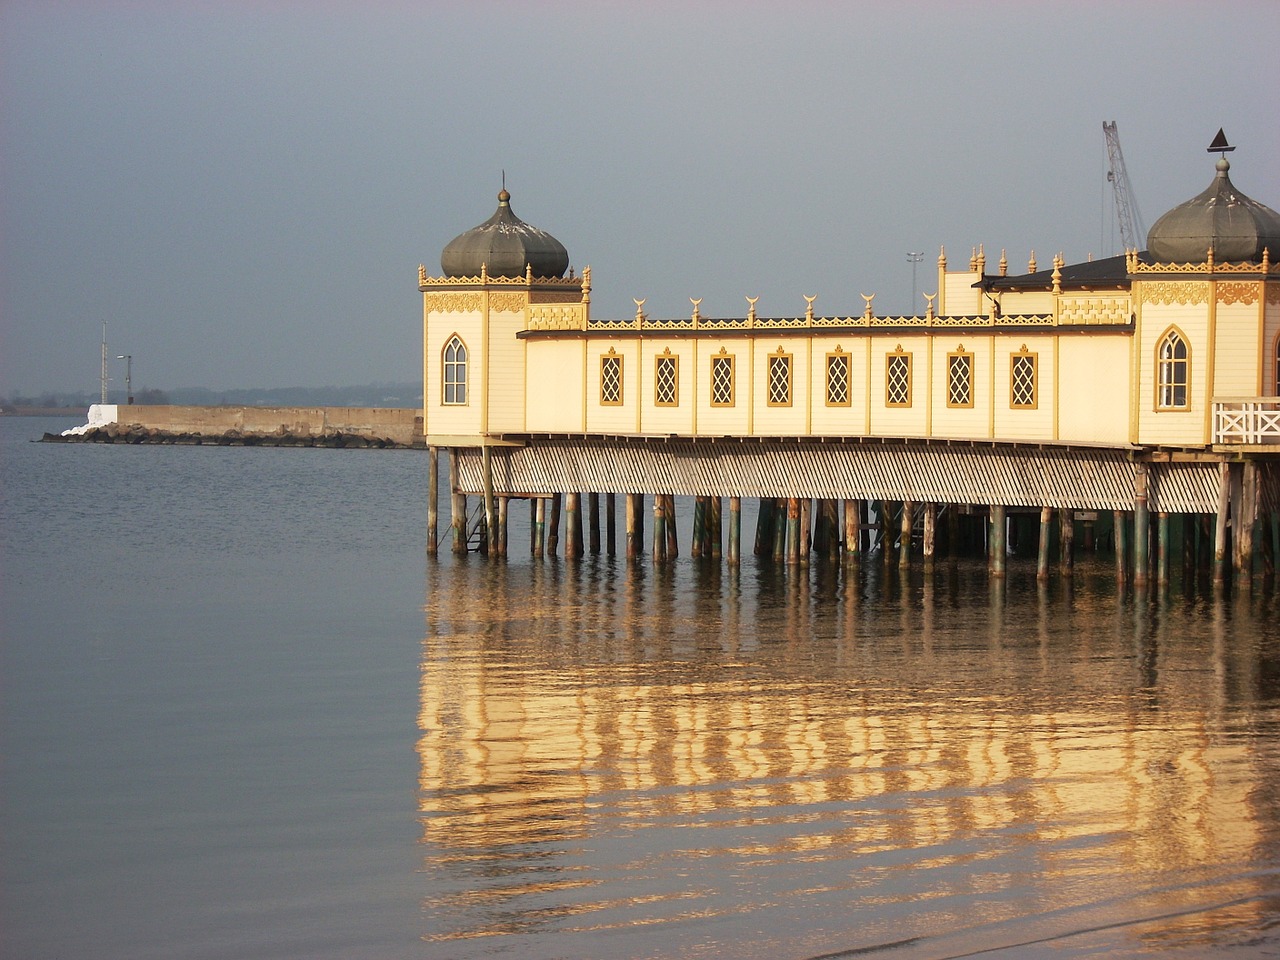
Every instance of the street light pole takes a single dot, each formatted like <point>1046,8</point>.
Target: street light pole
<point>128,374</point>
<point>914,257</point>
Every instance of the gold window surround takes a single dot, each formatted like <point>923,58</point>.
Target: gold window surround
<point>1173,371</point>
<point>959,379</point>
<point>1024,380</point>
<point>453,370</point>
<point>897,378</point>
<point>666,379</point>
<point>722,379</point>
<point>611,382</point>
<point>779,368</point>
<point>839,370</point>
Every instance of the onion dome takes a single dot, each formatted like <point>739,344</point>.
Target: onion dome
<point>1222,218</point>
<point>505,246</point>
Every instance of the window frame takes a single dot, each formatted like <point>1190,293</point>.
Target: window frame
<point>612,358</point>
<point>891,358</point>
<point>954,359</point>
<point>454,358</point>
<point>1033,358</point>
<point>838,354</point>
<point>788,361</point>
<point>724,358</point>
<point>1166,382</point>
<point>660,361</point>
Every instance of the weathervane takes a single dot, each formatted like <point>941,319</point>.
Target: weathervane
<point>1220,145</point>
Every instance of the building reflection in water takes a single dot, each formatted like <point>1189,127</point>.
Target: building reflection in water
<point>614,748</point>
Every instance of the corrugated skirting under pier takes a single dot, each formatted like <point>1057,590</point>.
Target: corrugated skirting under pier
<point>1062,478</point>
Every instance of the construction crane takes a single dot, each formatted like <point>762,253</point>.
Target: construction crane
<point>1132,232</point>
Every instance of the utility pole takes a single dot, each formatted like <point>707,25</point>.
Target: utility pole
<point>104,362</point>
<point>913,257</point>
<point>128,374</point>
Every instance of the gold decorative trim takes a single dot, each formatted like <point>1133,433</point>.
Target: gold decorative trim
<point>1093,311</point>
<point>1238,291</point>
<point>452,302</point>
<point>1180,292</point>
<point>507,302</point>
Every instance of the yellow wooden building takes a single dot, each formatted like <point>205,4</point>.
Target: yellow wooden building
<point>1091,385</point>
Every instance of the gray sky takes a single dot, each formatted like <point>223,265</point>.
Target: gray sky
<point>244,190</point>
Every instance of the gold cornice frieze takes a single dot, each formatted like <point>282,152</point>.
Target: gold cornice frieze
<point>1238,291</point>
<point>507,301</point>
<point>453,302</point>
<point>1166,293</point>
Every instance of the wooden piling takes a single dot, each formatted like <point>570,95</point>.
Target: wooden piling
<point>457,507</point>
<point>929,544</point>
<point>1066,543</point>
<point>780,541</point>
<point>1244,521</point>
<point>792,545</point>
<point>715,528</point>
<point>1220,530</point>
<point>852,531</point>
<point>806,530</point>
<point>1162,548</point>
<point>673,534</point>
<point>539,524</point>
<point>659,528</point>
<point>699,527</point>
<point>1042,546</point>
<point>735,531</point>
<point>433,500</point>
<point>610,525</point>
<point>997,541</point>
<point>593,523</point>
<point>490,507</point>
<point>632,506</point>
<point>503,507</point>
<point>553,526</point>
<point>1141,528</point>
<point>1120,530</point>
<point>905,532</point>
<point>572,526</point>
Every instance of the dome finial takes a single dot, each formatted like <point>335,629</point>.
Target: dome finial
<point>1220,144</point>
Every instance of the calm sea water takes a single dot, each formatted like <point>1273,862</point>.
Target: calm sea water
<point>245,717</point>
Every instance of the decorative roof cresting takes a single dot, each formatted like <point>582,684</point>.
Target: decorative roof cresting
<point>505,246</point>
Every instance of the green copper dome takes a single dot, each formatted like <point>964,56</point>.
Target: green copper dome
<point>1235,226</point>
<point>505,246</point>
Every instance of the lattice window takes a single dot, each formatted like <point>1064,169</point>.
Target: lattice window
<point>454,377</point>
<point>611,380</point>
<point>780,379</point>
<point>1173,373</point>
<point>1022,380</point>
<point>960,379</point>
<point>722,380</point>
<point>838,393</point>
<point>666,380</point>
<point>897,379</point>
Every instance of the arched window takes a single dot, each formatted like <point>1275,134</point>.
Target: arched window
<point>455,372</point>
<point>1173,372</point>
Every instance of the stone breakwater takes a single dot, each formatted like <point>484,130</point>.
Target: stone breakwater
<point>231,438</point>
<point>334,427</point>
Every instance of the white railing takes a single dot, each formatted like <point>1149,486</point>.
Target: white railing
<point>1253,420</point>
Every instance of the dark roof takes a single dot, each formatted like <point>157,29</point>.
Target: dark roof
<point>505,246</point>
<point>1108,272</point>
